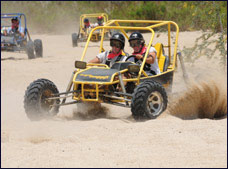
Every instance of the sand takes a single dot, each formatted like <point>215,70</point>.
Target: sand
<point>180,137</point>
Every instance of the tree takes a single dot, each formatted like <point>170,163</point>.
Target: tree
<point>216,15</point>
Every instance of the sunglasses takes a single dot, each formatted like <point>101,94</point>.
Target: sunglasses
<point>135,43</point>
<point>117,44</point>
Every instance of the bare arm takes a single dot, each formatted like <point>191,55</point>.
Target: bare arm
<point>22,34</point>
<point>5,32</point>
<point>150,59</point>
<point>95,60</point>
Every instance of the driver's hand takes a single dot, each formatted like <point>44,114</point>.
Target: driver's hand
<point>14,30</point>
<point>138,56</point>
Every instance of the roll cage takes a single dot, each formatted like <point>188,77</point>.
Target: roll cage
<point>22,19</point>
<point>18,15</point>
<point>116,25</point>
<point>83,16</point>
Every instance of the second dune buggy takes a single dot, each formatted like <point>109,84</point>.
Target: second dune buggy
<point>83,32</point>
<point>145,95</point>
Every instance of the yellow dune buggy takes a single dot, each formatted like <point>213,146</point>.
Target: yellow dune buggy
<point>83,33</point>
<point>145,95</point>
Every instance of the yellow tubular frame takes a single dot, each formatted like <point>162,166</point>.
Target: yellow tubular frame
<point>108,25</point>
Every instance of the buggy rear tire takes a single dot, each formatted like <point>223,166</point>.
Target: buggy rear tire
<point>38,48</point>
<point>149,100</point>
<point>30,50</point>
<point>75,39</point>
<point>35,103</point>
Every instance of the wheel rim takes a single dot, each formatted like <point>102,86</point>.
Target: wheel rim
<point>154,103</point>
<point>47,105</point>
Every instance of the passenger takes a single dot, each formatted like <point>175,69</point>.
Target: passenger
<point>116,54</point>
<point>99,22</point>
<point>137,42</point>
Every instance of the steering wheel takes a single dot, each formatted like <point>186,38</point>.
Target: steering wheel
<point>17,35</point>
<point>139,62</point>
<point>11,33</point>
<point>131,56</point>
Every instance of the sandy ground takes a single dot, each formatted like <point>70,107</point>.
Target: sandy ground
<point>115,140</point>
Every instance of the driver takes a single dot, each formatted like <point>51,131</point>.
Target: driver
<point>15,28</point>
<point>116,54</point>
<point>86,23</point>
<point>137,42</point>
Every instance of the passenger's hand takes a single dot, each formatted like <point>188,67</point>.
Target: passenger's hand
<point>138,56</point>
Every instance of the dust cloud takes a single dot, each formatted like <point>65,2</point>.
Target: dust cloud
<point>206,97</point>
<point>108,137</point>
<point>87,111</point>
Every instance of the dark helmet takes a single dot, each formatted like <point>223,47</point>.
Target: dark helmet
<point>86,20</point>
<point>119,37</point>
<point>136,36</point>
<point>14,18</point>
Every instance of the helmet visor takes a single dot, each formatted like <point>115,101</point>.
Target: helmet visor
<point>135,43</point>
<point>115,43</point>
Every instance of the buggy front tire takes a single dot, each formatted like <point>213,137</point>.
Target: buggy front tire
<point>36,105</point>
<point>30,49</point>
<point>75,39</point>
<point>149,100</point>
<point>38,48</point>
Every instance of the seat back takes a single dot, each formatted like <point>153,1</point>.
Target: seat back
<point>162,59</point>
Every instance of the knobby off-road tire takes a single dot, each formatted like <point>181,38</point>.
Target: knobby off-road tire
<point>38,48</point>
<point>75,39</point>
<point>35,103</point>
<point>149,100</point>
<point>30,50</point>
